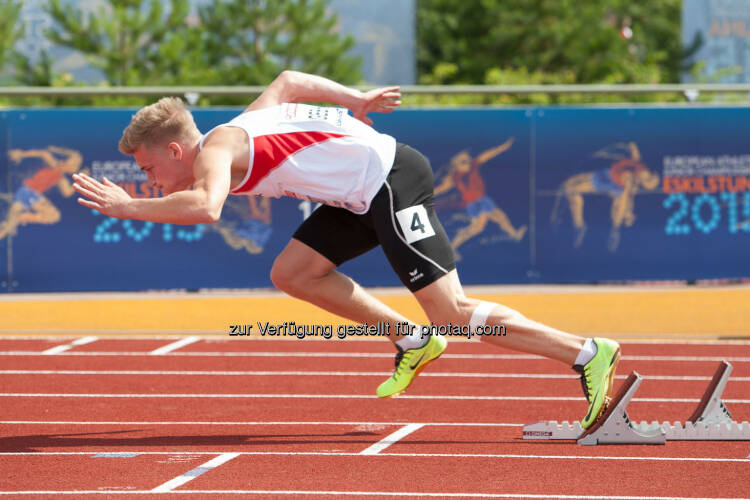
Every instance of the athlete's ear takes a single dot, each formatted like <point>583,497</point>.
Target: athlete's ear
<point>174,149</point>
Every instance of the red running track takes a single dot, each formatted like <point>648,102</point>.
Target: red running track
<point>284,418</point>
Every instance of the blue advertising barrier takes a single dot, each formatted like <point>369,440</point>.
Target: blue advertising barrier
<point>527,195</point>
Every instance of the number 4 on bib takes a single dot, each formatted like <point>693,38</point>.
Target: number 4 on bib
<point>414,223</point>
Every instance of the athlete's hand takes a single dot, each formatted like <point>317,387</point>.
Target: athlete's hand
<point>106,197</point>
<point>15,155</point>
<point>381,100</point>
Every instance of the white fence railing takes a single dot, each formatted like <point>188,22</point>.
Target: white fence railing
<point>689,91</point>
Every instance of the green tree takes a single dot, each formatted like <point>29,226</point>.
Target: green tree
<point>10,29</point>
<point>39,73</point>
<point>122,38</point>
<point>609,41</point>
<point>228,42</point>
<point>249,42</point>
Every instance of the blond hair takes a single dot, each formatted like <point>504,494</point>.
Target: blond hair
<point>168,118</point>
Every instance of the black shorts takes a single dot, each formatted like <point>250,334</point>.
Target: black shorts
<point>401,219</point>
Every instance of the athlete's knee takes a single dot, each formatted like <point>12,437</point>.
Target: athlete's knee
<point>53,217</point>
<point>570,188</point>
<point>285,277</point>
<point>492,313</point>
<point>456,310</point>
<point>291,277</point>
<point>476,312</point>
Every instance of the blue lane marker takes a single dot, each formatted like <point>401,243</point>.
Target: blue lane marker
<point>122,454</point>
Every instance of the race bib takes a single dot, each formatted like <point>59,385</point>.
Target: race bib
<point>414,223</point>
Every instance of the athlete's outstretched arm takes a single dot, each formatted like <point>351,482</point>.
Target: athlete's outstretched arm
<point>199,205</point>
<point>445,185</point>
<point>294,86</point>
<point>635,153</point>
<point>491,153</point>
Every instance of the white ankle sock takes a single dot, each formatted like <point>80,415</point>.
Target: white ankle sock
<point>587,352</point>
<point>413,341</point>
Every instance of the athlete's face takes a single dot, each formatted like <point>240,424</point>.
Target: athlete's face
<point>165,167</point>
<point>461,162</point>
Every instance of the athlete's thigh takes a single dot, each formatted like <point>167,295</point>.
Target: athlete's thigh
<point>406,224</point>
<point>337,234</point>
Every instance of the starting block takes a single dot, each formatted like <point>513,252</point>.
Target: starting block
<point>711,420</point>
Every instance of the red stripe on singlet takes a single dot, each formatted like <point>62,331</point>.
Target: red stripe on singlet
<point>271,150</point>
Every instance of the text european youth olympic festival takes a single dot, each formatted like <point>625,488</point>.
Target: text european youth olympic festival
<point>380,329</point>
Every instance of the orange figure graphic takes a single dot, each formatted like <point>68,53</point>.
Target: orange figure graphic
<point>464,175</point>
<point>29,205</point>
<point>621,181</point>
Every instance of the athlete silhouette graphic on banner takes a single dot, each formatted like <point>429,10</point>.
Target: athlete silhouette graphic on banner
<point>464,175</point>
<point>621,180</point>
<point>29,205</point>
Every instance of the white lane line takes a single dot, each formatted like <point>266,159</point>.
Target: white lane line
<point>182,373</point>
<point>390,439</point>
<point>115,454</point>
<point>120,334</point>
<point>192,474</point>
<point>735,359</point>
<point>217,336</point>
<point>302,373</point>
<point>174,346</point>
<point>415,455</point>
<point>410,494</point>
<point>232,354</point>
<point>346,396</point>
<point>431,424</point>
<point>62,348</point>
<point>221,336</point>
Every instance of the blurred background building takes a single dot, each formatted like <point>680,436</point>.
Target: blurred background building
<point>724,29</point>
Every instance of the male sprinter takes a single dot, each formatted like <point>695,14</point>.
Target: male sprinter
<point>374,192</point>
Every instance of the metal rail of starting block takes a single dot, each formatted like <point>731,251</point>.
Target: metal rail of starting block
<point>711,420</point>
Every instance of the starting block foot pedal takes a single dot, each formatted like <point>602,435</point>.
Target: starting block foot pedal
<point>711,408</point>
<point>711,420</point>
<point>614,426</point>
